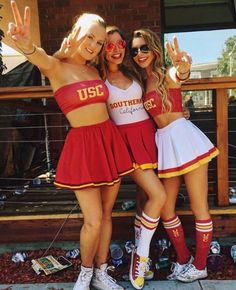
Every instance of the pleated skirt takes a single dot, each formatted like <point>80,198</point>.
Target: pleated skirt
<point>94,155</point>
<point>140,141</point>
<point>182,147</point>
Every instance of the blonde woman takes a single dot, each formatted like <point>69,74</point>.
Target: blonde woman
<point>183,150</point>
<point>94,154</point>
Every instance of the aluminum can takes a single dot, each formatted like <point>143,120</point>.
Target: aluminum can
<point>19,257</point>
<point>129,204</point>
<point>73,254</point>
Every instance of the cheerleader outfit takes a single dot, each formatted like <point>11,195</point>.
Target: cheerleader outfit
<point>92,155</point>
<point>182,147</point>
<point>137,129</point>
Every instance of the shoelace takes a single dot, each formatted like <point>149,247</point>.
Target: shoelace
<point>188,267</point>
<point>141,268</point>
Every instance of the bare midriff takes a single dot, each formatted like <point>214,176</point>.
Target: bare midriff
<point>165,119</point>
<point>88,115</point>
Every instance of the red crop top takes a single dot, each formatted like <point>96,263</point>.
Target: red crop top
<point>153,102</point>
<point>79,94</point>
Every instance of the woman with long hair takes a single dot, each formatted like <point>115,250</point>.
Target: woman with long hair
<point>183,150</point>
<point>126,109</point>
<point>94,155</point>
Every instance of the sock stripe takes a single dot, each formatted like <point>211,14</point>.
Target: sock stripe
<point>150,225</point>
<point>137,224</point>
<point>174,223</point>
<point>137,221</point>
<point>204,226</point>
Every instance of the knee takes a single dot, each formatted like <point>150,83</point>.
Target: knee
<point>93,224</point>
<point>160,198</point>
<point>200,212</point>
<point>107,216</point>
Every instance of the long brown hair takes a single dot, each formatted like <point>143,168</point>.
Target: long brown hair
<point>123,67</point>
<point>158,68</point>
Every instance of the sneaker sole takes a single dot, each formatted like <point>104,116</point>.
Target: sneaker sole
<point>130,274</point>
<point>192,280</point>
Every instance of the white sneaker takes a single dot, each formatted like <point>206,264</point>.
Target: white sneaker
<point>191,273</point>
<point>84,279</point>
<point>102,281</point>
<point>177,268</point>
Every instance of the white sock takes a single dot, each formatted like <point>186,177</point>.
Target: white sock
<point>148,227</point>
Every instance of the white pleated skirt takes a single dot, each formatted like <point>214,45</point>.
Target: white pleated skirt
<point>182,147</point>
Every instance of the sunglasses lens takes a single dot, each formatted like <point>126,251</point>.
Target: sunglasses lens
<point>144,48</point>
<point>134,51</point>
<point>110,46</point>
<point>121,43</point>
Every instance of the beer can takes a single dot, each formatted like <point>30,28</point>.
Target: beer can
<point>19,257</point>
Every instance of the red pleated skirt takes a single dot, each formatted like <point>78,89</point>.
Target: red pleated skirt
<point>94,155</point>
<point>140,141</point>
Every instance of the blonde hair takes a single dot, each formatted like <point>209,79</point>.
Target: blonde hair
<point>83,21</point>
<point>86,19</point>
<point>158,68</point>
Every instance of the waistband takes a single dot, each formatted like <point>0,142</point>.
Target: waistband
<point>134,124</point>
<point>172,125</point>
<point>92,125</point>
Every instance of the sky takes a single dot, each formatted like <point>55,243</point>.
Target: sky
<point>203,46</point>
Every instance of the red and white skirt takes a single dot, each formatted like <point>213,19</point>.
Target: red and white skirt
<point>140,140</point>
<point>94,155</point>
<point>182,147</point>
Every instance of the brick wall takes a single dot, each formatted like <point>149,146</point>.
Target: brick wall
<point>57,16</point>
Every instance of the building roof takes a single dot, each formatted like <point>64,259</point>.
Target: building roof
<point>195,15</point>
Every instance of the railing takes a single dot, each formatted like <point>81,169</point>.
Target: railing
<point>218,86</point>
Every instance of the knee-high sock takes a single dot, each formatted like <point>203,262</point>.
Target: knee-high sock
<point>175,232</point>
<point>204,230</point>
<point>148,227</point>
<point>137,227</point>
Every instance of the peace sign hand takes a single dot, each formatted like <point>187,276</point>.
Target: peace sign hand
<point>69,45</point>
<point>19,31</point>
<point>181,60</point>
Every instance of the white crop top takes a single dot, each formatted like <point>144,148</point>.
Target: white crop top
<point>126,106</point>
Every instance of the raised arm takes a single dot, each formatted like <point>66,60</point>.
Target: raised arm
<point>181,61</point>
<point>19,32</point>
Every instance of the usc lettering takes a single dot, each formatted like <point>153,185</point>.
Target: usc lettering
<point>90,92</point>
<point>149,104</point>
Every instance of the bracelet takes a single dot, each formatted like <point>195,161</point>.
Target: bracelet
<point>182,79</point>
<point>29,53</point>
<point>182,73</point>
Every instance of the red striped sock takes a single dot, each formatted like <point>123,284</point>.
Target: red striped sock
<point>204,230</point>
<point>175,232</point>
<point>148,227</point>
<point>137,226</point>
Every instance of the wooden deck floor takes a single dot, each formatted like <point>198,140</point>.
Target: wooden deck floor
<point>37,215</point>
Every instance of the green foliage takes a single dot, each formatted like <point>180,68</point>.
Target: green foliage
<point>2,65</point>
<point>227,61</point>
<point>167,60</point>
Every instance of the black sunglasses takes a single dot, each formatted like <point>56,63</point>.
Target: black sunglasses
<point>134,51</point>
